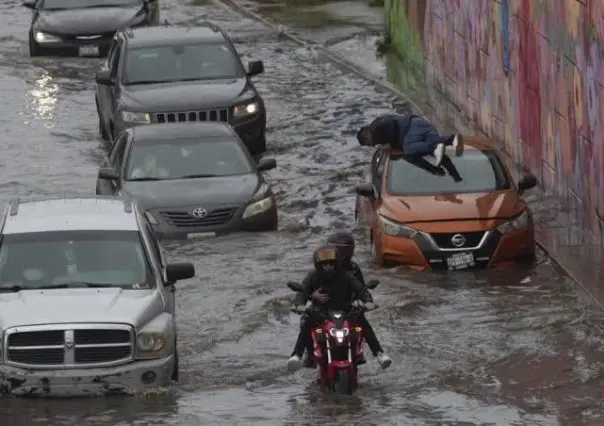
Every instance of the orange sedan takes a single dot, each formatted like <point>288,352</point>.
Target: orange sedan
<point>466,213</point>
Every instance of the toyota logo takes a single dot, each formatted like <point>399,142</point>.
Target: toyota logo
<point>458,240</point>
<point>200,212</point>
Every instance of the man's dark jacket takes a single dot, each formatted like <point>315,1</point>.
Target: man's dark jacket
<point>341,287</point>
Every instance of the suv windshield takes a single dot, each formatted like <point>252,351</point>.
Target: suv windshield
<point>187,158</point>
<point>475,171</point>
<point>184,62</point>
<point>81,4</point>
<point>94,258</point>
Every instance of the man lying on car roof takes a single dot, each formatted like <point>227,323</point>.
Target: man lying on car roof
<point>413,135</point>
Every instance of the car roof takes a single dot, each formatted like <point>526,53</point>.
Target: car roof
<point>470,143</point>
<point>162,35</point>
<point>70,214</point>
<point>189,129</point>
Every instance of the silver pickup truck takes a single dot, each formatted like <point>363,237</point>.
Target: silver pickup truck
<point>86,299</point>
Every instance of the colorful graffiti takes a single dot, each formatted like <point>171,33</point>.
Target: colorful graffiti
<point>531,74</point>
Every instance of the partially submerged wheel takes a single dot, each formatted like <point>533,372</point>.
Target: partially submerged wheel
<point>343,382</point>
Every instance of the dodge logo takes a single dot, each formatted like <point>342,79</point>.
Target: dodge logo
<point>458,240</point>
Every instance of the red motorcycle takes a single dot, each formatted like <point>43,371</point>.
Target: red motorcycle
<point>338,347</point>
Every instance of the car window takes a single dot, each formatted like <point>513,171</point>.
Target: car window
<point>117,153</point>
<point>187,158</point>
<point>116,258</point>
<point>80,4</point>
<point>475,171</point>
<point>184,62</point>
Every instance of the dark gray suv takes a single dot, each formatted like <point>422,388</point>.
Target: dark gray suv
<point>171,74</point>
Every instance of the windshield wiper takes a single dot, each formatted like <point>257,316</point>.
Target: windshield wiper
<point>75,284</point>
<point>13,289</point>
<point>129,83</point>
<point>142,179</point>
<point>197,176</point>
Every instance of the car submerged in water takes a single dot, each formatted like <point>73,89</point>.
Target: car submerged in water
<point>467,213</point>
<point>84,27</point>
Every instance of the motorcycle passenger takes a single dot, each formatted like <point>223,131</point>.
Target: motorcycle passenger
<point>345,243</point>
<point>331,287</point>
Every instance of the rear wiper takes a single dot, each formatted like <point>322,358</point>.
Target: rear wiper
<point>75,284</point>
<point>197,176</point>
<point>142,179</point>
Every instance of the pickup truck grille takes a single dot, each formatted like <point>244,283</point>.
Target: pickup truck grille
<point>206,115</point>
<point>182,219</point>
<point>69,346</point>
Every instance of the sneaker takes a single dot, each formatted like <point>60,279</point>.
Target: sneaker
<point>384,360</point>
<point>294,363</point>
<point>458,144</point>
<point>439,152</point>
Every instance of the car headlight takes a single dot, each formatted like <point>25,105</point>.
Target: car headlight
<point>41,37</point>
<point>155,339</point>
<point>136,117</point>
<point>247,108</point>
<point>389,227</point>
<point>519,222</point>
<point>150,218</point>
<point>261,202</point>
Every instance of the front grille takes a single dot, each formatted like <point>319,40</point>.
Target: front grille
<point>443,240</point>
<point>207,115</point>
<point>215,217</point>
<point>75,345</point>
<point>90,37</point>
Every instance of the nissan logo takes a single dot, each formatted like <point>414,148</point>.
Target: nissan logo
<point>200,212</point>
<point>458,240</point>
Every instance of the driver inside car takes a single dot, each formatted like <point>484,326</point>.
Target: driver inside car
<point>331,287</point>
<point>149,169</point>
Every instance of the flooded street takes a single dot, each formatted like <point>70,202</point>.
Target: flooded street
<point>486,348</point>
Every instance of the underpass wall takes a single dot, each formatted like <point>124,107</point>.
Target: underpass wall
<point>529,73</point>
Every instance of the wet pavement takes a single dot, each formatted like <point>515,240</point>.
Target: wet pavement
<point>505,347</point>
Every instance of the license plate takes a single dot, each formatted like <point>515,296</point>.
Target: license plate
<point>460,261</point>
<point>88,51</point>
<point>201,235</point>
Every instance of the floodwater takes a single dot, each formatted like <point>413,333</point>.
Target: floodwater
<point>515,347</point>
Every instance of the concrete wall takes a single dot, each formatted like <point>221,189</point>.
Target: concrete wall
<point>530,73</point>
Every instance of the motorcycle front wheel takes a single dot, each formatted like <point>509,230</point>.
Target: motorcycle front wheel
<point>343,382</point>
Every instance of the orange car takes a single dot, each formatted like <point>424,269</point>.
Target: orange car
<point>467,213</point>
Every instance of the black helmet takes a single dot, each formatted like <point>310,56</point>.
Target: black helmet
<point>345,243</point>
<point>326,258</point>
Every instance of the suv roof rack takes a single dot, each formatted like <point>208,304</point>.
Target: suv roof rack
<point>13,203</point>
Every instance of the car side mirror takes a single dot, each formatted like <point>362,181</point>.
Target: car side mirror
<point>103,77</point>
<point>30,4</point>
<point>527,182</point>
<point>108,173</point>
<point>255,68</point>
<point>365,189</point>
<point>266,164</point>
<point>179,271</point>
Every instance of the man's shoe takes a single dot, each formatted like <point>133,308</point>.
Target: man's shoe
<point>384,360</point>
<point>458,144</point>
<point>293,363</point>
<point>439,153</point>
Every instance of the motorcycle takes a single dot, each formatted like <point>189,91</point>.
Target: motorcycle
<point>338,346</point>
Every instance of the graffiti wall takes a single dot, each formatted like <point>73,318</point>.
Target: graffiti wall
<point>530,73</point>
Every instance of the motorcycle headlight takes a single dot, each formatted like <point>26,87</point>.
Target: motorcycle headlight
<point>155,339</point>
<point>519,222</point>
<point>339,334</point>
<point>390,227</point>
<point>261,203</point>
<point>245,109</point>
<point>41,37</point>
<point>136,117</point>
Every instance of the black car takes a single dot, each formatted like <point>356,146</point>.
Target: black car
<point>171,74</point>
<point>191,179</point>
<point>84,27</point>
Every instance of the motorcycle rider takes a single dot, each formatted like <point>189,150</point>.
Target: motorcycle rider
<point>331,287</point>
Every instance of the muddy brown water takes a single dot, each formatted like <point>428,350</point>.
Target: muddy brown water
<point>509,347</point>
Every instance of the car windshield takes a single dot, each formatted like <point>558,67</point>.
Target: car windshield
<point>69,258</point>
<point>183,62</point>
<point>475,171</point>
<point>81,4</point>
<point>187,159</point>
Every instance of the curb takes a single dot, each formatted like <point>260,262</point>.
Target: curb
<point>382,83</point>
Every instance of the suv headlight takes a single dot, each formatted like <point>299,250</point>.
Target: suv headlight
<point>136,117</point>
<point>519,222</point>
<point>41,37</point>
<point>261,202</point>
<point>155,339</point>
<point>390,227</point>
<point>245,109</point>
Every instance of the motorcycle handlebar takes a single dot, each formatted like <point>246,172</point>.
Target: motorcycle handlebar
<point>356,304</point>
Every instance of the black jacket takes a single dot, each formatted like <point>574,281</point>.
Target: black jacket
<point>341,287</point>
<point>355,270</point>
<point>391,129</point>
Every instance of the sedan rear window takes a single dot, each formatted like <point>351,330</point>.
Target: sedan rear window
<point>183,62</point>
<point>475,171</point>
